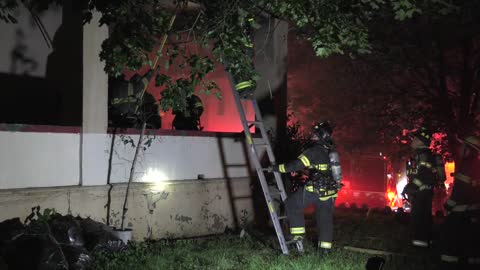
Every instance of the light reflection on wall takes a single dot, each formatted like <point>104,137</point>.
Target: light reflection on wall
<point>157,177</point>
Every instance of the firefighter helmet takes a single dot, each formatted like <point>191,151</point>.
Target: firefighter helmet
<point>424,135</point>
<point>323,130</point>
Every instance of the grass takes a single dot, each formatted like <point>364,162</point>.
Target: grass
<point>225,252</point>
<point>376,230</point>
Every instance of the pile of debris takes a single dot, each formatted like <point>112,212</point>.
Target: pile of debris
<point>52,241</point>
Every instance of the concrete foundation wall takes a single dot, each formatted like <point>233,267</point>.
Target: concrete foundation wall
<point>168,210</point>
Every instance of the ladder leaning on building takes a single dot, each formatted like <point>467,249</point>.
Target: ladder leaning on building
<point>255,158</point>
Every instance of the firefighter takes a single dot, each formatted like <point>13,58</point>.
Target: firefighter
<point>321,189</point>
<point>425,170</point>
<point>189,119</point>
<point>461,230</point>
<point>243,80</point>
<point>130,104</point>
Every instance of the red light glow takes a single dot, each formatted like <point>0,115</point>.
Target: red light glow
<point>220,115</point>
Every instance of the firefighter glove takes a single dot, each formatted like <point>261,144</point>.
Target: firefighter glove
<point>271,169</point>
<point>409,190</point>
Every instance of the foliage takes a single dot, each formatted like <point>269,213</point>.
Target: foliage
<point>147,141</point>
<point>6,11</point>
<point>426,71</point>
<point>131,258</point>
<point>37,216</point>
<point>224,27</point>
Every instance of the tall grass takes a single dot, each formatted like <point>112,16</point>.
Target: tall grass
<point>373,230</point>
<point>226,252</point>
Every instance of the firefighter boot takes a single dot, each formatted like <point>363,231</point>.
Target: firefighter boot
<point>324,248</point>
<point>295,237</point>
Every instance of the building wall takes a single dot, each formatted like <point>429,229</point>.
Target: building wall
<point>67,170</point>
<point>183,185</point>
<point>44,159</point>
<point>172,210</point>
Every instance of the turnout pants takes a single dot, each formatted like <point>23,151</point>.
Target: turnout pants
<point>459,241</point>
<point>295,205</point>
<point>422,217</point>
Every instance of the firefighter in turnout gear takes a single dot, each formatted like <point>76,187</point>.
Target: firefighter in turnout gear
<point>130,104</point>
<point>190,118</point>
<point>321,189</point>
<point>244,81</point>
<point>461,230</point>
<point>425,170</point>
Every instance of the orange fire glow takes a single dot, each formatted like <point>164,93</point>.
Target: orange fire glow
<point>449,169</point>
<point>390,195</point>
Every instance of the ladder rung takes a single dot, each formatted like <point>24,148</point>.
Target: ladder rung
<point>236,165</point>
<point>282,217</point>
<point>255,122</point>
<point>261,144</point>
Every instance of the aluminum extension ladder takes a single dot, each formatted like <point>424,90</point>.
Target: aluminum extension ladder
<point>254,157</point>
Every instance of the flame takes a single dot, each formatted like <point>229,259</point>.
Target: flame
<point>449,169</point>
<point>391,196</point>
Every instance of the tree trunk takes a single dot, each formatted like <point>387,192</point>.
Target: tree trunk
<point>132,171</point>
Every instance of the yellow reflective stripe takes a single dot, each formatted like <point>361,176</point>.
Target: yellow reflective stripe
<point>281,168</point>
<point>420,184</point>
<point>271,208</point>
<point>426,135</point>
<point>465,207</point>
<point>321,167</point>
<point>130,90</point>
<point>304,160</point>
<point>251,19</point>
<point>426,164</point>
<point>325,244</point>
<point>463,178</point>
<point>417,182</point>
<point>116,101</point>
<point>309,188</point>
<point>331,192</point>
<point>297,230</point>
<point>460,208</point>
<point>448,258</point>
<point>198,105</point>
<point>420,243</point>
<point>329,195</point>
<point>243,85</point>
<point>249,140</point>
